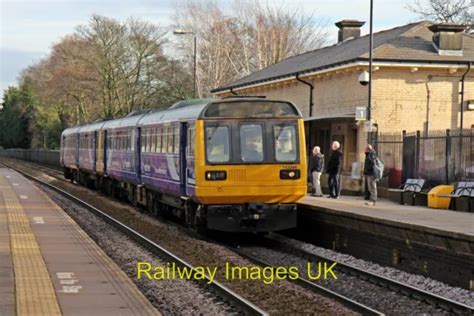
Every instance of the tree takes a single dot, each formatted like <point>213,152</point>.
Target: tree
<point>106,68</point>
<point>15,117</point>
<point>248,38</point>
<point>450,11</point>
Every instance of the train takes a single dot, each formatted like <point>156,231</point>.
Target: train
<point>234,164</point>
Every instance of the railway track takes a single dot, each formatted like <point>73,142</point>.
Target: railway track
<point>443,303</point>
<point>237,302</point>
<point>278,242</point>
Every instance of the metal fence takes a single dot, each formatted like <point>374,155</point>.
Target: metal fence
<point>47,157</point>
<point>444,156</point>
<point>439,156</point>
<point>389,147</point>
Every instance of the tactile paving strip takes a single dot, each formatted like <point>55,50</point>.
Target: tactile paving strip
<point>34,290</point>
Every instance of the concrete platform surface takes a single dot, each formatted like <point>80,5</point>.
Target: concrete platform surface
<point>457,224</point>
<point>50,266</point>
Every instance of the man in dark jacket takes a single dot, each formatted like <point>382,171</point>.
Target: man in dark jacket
<point>333,170</point>
<point>316,170</point>
<point>369,173</point>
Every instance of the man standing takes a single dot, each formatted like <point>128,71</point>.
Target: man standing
<point>369,173</point>
<point>333,169</point>
<point>316,170</point>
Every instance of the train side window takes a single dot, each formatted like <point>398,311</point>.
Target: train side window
<point>169,150</point>
<point>176,140</point>
<point>191,133</point>
<point>132,137</point>
<point>158,139</point>
<point>147,142</point>
<point>153,140</point>
<point>143,140</point>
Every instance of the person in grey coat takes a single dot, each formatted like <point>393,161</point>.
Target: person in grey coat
<point>316,171</point>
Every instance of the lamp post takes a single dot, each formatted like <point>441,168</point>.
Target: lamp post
<point>185,32</point>
<point>371,47</point>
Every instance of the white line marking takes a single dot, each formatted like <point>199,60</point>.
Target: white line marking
<point>65,275</point>
<point>38,220</point>
<point>71,289</point>
<point>23,197</point>
<point>15,184</point>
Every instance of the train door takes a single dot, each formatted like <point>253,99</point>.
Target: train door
<point>77,145</point>
<point>182,156</point>
<point>136,148</point>
<point>94,146</point>
<point>104,153</point>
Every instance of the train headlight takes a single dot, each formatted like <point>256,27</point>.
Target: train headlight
<point>290,174</point>
<point>216,175</point>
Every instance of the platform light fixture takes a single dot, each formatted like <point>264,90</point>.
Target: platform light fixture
<point>189,32</point>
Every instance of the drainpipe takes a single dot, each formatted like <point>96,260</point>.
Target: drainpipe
<point>462,113</point>
<point>428,105</point>
<point>311,88</point>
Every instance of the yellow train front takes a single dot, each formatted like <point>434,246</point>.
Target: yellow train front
<point>250,165</point>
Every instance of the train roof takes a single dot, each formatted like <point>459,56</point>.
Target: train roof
<point>71,130</point>
<point>179,111</point>
<point>182,110</point>
<point>124,122</point>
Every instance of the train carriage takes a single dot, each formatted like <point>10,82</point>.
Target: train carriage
<point>235,164</point>
<point>68,155</point>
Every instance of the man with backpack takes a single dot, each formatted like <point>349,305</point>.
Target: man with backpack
<point>371,173</point>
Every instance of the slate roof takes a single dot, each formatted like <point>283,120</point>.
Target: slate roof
<point>411,42</point>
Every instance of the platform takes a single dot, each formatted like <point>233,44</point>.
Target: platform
<point>459,224</point>
<point>50,266</point>
<point>432,242</point>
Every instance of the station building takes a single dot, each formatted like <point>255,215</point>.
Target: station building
<point>418,71</point>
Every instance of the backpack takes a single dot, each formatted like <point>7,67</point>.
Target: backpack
<point>379,165</point>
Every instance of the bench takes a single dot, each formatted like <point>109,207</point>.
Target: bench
<point>412,192</point>
<point>462,197</point>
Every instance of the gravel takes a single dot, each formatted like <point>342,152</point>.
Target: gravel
<point>419,281</point>
<point>379,298</point>
<point>279,297</point>
<point>170,296</point>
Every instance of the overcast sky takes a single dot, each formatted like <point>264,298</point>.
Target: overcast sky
<point>29,28</point>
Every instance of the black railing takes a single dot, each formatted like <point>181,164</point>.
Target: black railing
<point>435,156</point>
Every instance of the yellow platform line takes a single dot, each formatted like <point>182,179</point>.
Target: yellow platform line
<point>34,289</point>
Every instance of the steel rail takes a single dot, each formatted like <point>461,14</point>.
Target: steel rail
<point>316,288</point>
<point>403,288</point>
<point>228,296</point>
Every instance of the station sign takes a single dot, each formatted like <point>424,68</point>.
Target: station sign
<point>361,113</point>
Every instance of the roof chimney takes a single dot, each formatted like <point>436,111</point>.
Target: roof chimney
<point>348,28</point>
<point>447,38</point>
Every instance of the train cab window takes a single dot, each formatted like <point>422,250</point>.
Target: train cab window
<point>285,143</point>
<point>176,139</point>
<point>217,144</point>
<point>251,142</point>
<point>158,139</point>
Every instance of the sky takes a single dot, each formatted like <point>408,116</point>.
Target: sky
<point>29,28</point>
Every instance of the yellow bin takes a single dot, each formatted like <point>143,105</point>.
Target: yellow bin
<point>437,201</point>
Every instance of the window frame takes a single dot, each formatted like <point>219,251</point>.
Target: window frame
<point>264,147</point>
<point>229,128</point>
<point>297,144</point>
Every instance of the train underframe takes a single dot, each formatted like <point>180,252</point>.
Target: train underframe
<point>248,217</point>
